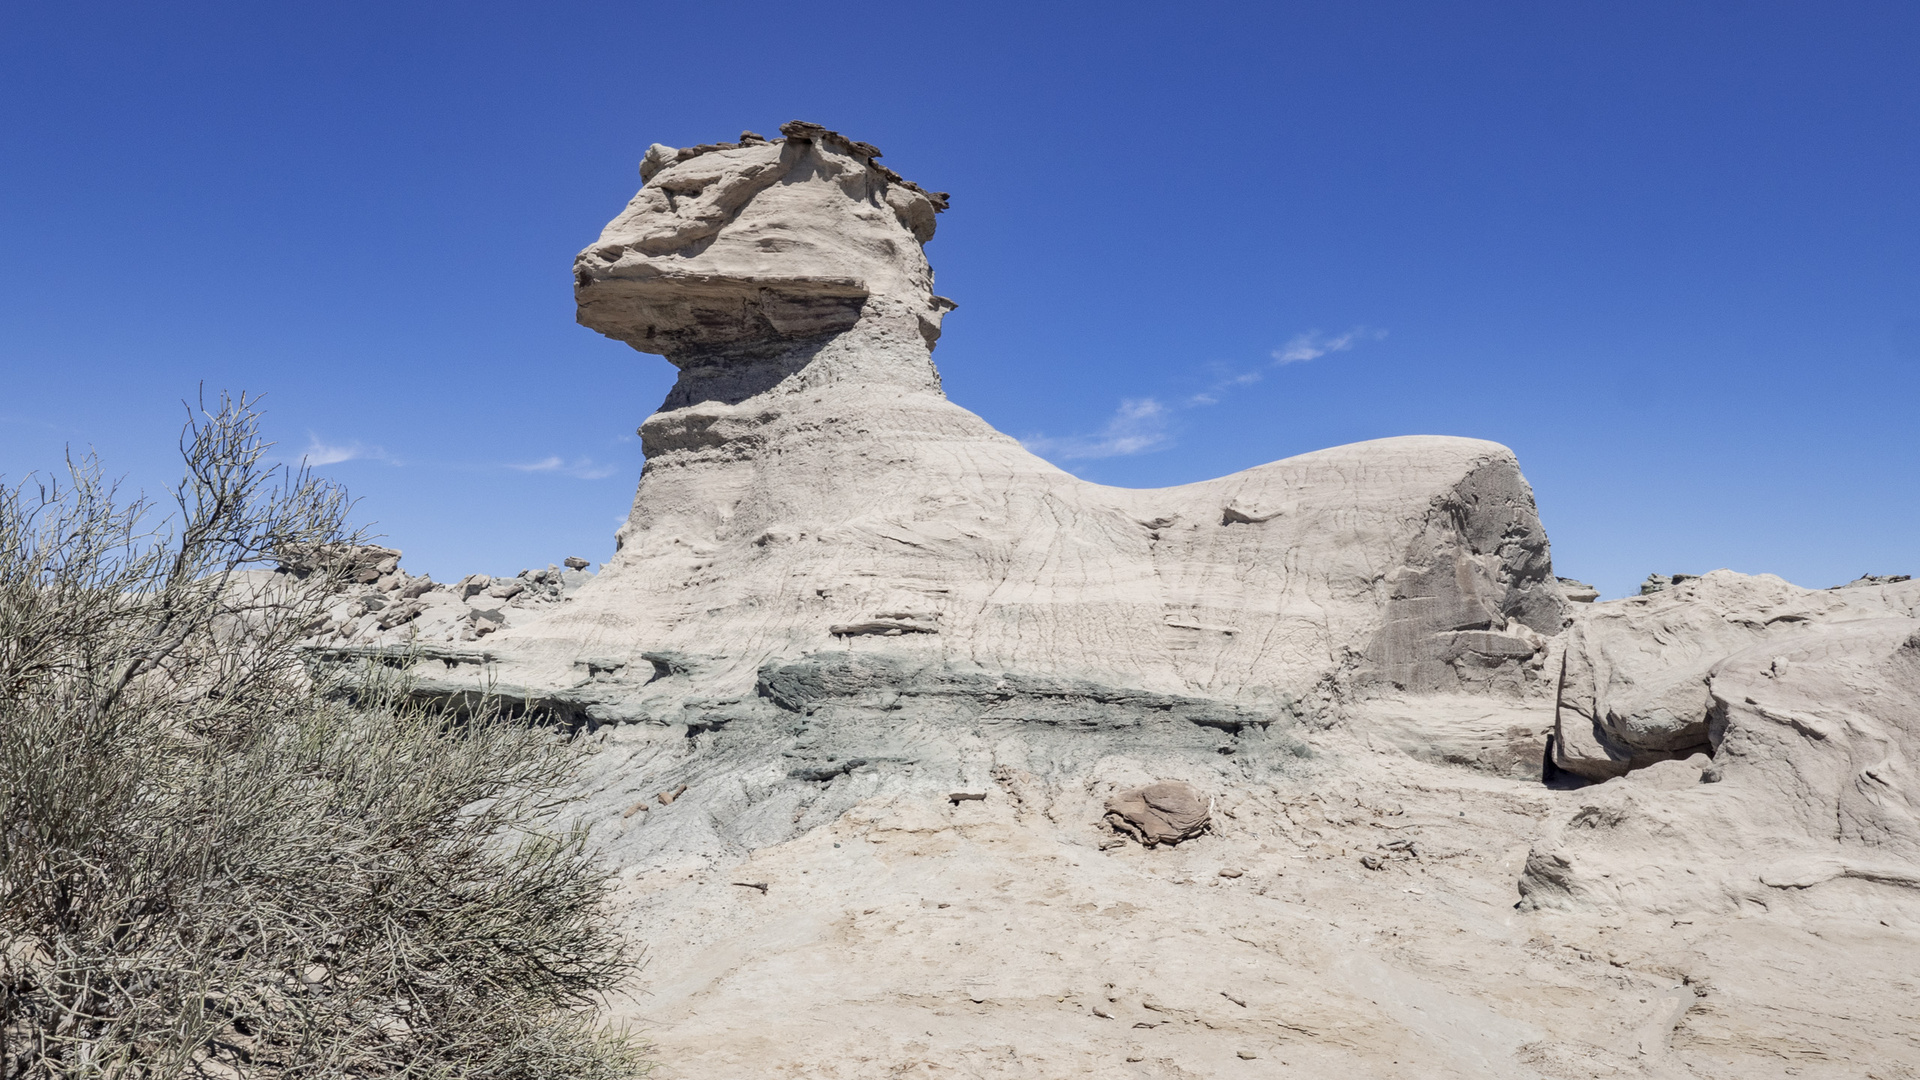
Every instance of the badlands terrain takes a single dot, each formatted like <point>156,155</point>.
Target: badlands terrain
<point>865,677</point>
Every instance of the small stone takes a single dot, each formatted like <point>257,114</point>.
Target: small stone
<point>1230,872</point>
<point>1245,1055</point>
<point>403,612</point>
<point>575,562</point>
<point>1103,1012</point>
<point>1136,1054</point>
<point>1165,812</point>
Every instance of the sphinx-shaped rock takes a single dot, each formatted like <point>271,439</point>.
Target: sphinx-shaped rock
<point>811,498</point>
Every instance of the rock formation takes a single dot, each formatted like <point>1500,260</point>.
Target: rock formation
<point>1637,686</point>
<point>811,496</point>
<point>887,710</point>
<point>1763,735</point>
<point>385,610</point>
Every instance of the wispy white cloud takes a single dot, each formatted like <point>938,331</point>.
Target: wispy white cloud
<point>578,468</point>
<point>1143,425</point>
<point>1211,395</point>
<point>1313,345</point>
<point>1138,426</point>
<point>320,453</point>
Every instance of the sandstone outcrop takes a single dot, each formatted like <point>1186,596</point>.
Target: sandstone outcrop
<point>1812,730</point>
<point>810,491</point>
<point>385,610</point>
<point>872,688</point>
<point>1635,686</point>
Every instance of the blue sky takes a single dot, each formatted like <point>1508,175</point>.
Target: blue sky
<point>1668,253</point>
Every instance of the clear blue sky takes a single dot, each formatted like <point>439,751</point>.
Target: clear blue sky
<point>1669,253</point>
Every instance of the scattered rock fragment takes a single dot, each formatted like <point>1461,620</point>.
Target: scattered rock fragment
<point>404,612</point>
<point>1578,591</point>
<point>360,564</point>
<point>485,620</point>
<point>1875,579</point>
<point>1662,582</point>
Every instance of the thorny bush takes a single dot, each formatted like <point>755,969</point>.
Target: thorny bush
<point>218,861</point>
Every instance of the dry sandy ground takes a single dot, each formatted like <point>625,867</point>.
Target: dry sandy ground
<point>1014,937</point>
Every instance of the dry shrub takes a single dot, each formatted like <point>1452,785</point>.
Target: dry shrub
<point>216,861</point>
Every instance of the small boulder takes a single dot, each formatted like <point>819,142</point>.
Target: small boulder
<point>404,612</point>
<point>485,620</point>
<point>575,562</point>
<point>1165,812</point>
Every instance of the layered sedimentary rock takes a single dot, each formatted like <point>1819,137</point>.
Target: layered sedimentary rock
<point>887,710</point>
<point>810,492</point>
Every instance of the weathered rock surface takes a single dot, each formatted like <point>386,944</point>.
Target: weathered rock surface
<point>809,488</point>
<point>1634,687</point>
<point>1810,784</point>
<point>869,658</point>
<point>383,610</point>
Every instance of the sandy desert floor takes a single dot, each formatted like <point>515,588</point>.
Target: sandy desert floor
<point>1015,937</point>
